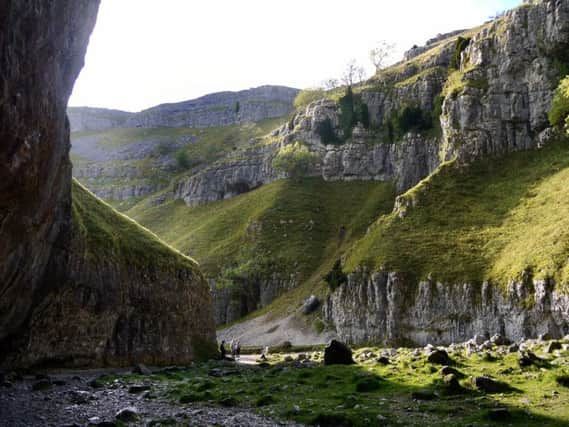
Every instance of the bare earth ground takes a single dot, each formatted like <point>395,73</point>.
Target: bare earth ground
<point>76,402</point>
<point>263,330</point>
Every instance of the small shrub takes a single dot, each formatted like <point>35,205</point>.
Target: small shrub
<point>182,160</point>
<point>295,160</point>
<point>326,131</point>
<point>336,277</point>
<point>461,44</point>
<point>409,118</point>
<point>331,420</point>
<point>307,96</point>
<point>559,112</point>
<point>352,111</point>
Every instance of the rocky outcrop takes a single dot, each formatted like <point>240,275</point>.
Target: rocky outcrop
<point>389,308</point>
<point>83,119</point>
<point>117,307</point>
<point>76,291</point>
<point>510,70</point>
<point>229,177</point>
<point>219,109</point>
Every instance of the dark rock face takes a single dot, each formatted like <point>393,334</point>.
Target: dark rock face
<point>42,45</point>
<point>337,353</point>
<point>63,301</point>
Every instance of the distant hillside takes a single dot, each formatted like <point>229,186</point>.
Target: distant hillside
<point>216,109</point>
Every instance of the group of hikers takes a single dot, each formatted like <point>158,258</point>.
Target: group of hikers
<point>234,346</point>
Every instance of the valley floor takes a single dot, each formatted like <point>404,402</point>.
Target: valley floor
<point>486,384</point>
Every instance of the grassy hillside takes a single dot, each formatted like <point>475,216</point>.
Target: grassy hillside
<point>493,220</point>
<point>158,155</point>
<point>287,226</point>
<point>110,235</point>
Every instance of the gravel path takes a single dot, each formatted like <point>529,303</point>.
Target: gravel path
<point>71,400</point>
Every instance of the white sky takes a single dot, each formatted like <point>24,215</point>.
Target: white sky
<point>147,52</point>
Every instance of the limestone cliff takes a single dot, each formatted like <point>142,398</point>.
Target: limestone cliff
<point>219,109</point>
<point>494,91</point>
<point>84,119</point>
<point>71,289</point>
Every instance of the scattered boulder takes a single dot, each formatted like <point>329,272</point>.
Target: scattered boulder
<point>338,353</point>
<point>498,339</point>
<point>310,305</point>
<point>513,348</point>
<point>448,370</point>
<point>552,346</point>
<point>489,385</point>
<point>288,358</point>
<point>96,383</point>
<point>478,339</point>
<point>527,358</point>
<point>127,415</point>
<point>383,360</point>
<point>138,388</point>
<point>439,357</point>
<point>141,369</point>
<point>451,384</point>
<point>544,337</point>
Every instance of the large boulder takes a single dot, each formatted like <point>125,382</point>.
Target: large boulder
<point>337,353</point>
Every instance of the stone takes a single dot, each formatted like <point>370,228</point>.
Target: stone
<point>310,305</point>
<point>452,385</point>
<point>489,385</point>
<point>288,358</point>
<point>498,339</point>
<point>338,353</point>
<point>448,370</point>
<point>382,360</point>
<point>141,369</point>
<point>127,415</point>
<point>80,397</point>
<point>439,357</point>
<point>552,346</point>
<point>513,348</point>
<point>138,388</point>
<point>544,337</point>
<point>528,358</point>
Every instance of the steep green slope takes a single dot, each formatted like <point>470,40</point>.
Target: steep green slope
<point>112,236</point>
<point>286,227</point>
<point>492,220</point>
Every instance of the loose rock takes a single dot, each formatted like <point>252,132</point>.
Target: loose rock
<point>440,357</point>
<point>337,353</point>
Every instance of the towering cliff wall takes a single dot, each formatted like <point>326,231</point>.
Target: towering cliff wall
<point>71,289</point>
